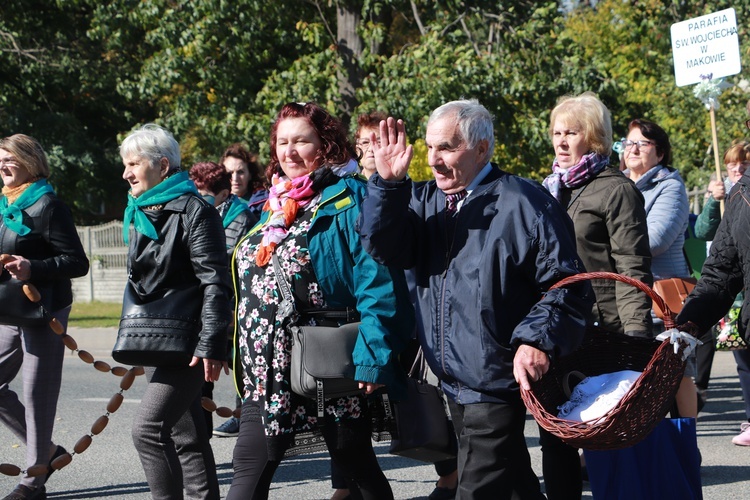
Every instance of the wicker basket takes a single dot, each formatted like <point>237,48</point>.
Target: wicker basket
<point>642,408</point>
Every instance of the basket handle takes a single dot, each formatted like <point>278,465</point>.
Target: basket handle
<point>669,316</point>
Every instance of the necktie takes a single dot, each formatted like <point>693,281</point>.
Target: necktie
<point>452,201</point>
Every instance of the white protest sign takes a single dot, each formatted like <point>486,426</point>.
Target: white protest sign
<point>706,45</point>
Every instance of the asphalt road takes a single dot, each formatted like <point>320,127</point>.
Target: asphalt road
<point>110,467</point>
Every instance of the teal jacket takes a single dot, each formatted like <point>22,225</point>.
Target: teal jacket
<point>708,220</point>
<point>349,277</point>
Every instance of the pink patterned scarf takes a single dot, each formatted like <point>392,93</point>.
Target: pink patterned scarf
<point>285,198</point>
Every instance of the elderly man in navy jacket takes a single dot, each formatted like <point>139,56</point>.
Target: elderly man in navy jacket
<point>485,246</point>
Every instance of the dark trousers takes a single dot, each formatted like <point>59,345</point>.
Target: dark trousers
<point>704,355</point>
<point>493,461</point>
<point>446,467</point>
<point>208,416</point>
<point>253,471</point>
<point>561,466</point>
<point>742,357</point>
<point>170,435</point>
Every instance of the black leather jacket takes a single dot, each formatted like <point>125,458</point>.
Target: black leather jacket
<point>52,247</point>
<point>726,271</point>
<point>191,250</point>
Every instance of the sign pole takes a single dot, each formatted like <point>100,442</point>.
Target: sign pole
<point>719,177</point>
<point>704,48</point>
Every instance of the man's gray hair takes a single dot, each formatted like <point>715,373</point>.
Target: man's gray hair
<point>473,121</point>
<point>153,142</point>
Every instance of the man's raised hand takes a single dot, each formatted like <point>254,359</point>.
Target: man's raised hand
<point>392,155</point>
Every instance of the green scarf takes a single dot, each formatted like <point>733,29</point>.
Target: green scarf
<point>167,190</point>
<point>12,215</point>
<point>237,206</point>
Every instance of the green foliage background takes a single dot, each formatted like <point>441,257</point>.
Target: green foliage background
<point>79,74</point>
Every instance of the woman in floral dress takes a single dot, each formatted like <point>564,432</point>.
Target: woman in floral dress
<point>309,224</point>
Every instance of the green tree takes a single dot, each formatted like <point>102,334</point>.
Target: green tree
<point>629,46</point>
<point>197,66</point>
<point>55,87</point>
<point>79,74</point>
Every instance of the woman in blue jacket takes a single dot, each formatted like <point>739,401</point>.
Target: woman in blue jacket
<point>648,156</point>
<point>309,223</point>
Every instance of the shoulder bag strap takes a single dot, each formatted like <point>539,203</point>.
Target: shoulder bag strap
<point>418,369</point>
<point>287,307</point>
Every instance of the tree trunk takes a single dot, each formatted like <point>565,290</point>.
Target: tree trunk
<point>350,47</point>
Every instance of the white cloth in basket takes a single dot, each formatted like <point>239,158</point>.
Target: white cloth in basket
<point>595,396</point>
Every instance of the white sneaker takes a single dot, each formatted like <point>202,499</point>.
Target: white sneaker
<point>743,438</point>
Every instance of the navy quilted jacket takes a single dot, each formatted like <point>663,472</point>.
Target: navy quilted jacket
<point>481,291</point>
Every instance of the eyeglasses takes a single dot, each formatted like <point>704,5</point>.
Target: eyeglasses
<point>641,144</point>
<point>364,143</point>
<point>10,161</point>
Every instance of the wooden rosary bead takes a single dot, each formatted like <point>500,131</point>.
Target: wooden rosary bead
<point>5,258</point>
<point>10,469</point>
<point>99,424</point>
<point>119,371</point>
<point>128,376</point>
<point>237,412</point>
<point>127,380</point>
<point>101,366</point>
<point>31,292</point>
<point>115,402</point>
<point>83,444</point>
<point>224,412</point>
<point>208,404</point>
<point>70,342</point>
<point>86,357</point>
<point>61,461</point>
<point>37,470</point>
<point>56,326</point>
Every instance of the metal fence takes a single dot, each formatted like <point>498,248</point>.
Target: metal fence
<point>107,254</point>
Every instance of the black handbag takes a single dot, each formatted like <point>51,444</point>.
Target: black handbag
<point>159,331</point>
<point>321,366</point>
<point>18,310</point>
<point>422,429</point>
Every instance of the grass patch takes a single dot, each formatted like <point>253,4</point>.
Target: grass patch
<point>95,314</point>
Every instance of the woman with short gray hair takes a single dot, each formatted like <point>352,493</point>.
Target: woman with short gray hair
<point>176,245</point>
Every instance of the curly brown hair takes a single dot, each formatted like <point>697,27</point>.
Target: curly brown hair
<point>335,146</point>
<point>211,177</point>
